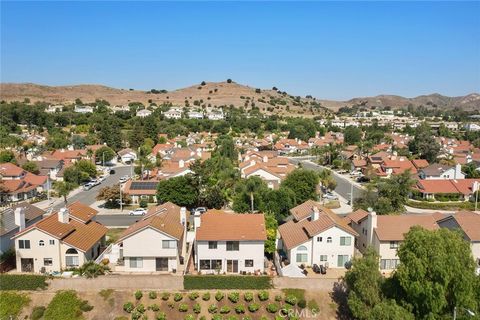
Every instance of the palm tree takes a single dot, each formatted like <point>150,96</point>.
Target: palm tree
<point>252,185</point>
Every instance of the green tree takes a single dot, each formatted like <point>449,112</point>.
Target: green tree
<point>471,171</point>
<point>104,153</point>
<point>179,190</point>
<point>31,166</point>
<point>63,189</point>
<point>390,310</point>
<point>424,144</point>
<point>7,156</point>
<point>271,226</point>
<point>304,183</point>
<point>352,135</point>
<point>279,202</point>
<point>437,272</point>
<point>248,194</point>
<point>112,196</point>
<point>87,167</point>
<point>226,147</point>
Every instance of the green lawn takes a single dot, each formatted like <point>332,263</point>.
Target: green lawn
<point>11,304</point>
<point>66,305</point>
<point>114,234</point>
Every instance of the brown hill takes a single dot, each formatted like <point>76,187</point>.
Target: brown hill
<point>223,94</point>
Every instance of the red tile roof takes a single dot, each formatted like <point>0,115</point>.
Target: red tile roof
<point>218,225</point>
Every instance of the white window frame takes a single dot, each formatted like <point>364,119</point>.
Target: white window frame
<point>51,242</point>
<point>345,241</point>
<point>47,262</point>
<point>169,244</point>
<point>323,257</point>
<point>249,266</point>
<point>74,261</point>
<point>22,244</point>
<point>329,239</point>
<point>135,262</point>
<point>41,243</point>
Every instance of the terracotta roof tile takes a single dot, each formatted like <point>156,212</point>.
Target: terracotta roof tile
<point>231,226</point>
<point>81,211</point>
<point>393,228</point>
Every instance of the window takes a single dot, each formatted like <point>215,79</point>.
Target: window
<point>136,262</point>
<point>169,244</point>
<point>342,260</point>
<point>302,257</point>
<point>212,244</point>
<point>233,246</point>
<point>47,262</point>
<point>216,264</point>
<point>51,242</point>
<point>393,244</point>
<point>71,261</point>
<point>41,243</point>
<point>323,257</point>
<point>205,265</point>
<point>249,263</point>
<point>72,251</point>
<point>329,240</point>
<point>319,239</point>
<point>389,264</point>
<point>24,244</point>
<point>345,241</point>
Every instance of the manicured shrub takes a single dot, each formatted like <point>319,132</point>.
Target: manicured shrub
<point>194,295</point>
<point>177,297</point>
<point>161,316</point>
<point>22,282</point>
<point>313,305</point>
<point>263,295</point>
<point>278,298</point>
<point>232,318</point>
<point>128,307</point>
<point>138,294</point>
<point>183,307</point>
<point>217,317</point>
<point>165,296</point>
<point>197,308</point>
<point>248,296</point>
<point>212,308</point>
<point>291,299</point>
<point>189,317</point>
<point>206,296</point>
<point>240,309</point>
<point>85,306</point>
<point>154,307</point>
<point>225,310</point>
<point>302,303</point>
<point>171,304</point>
<point>136,315</point>
<point>246,318</point>
<point>152,295</point>
<point>141,308</point>
<point>253,307</point>
<point>219,295</point>
<point>272,307</point>
<point>234,296</point>
<point>37,313</point>
<point>200,282</point>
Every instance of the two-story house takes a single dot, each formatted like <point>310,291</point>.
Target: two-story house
<point>67,238</point>
<point>229,242</point>
<point>439,171</point>
<point>155,243</point>
<point>316,235</point>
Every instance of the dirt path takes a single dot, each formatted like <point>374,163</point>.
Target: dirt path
<point>119,282</point>
<point>307,283</point>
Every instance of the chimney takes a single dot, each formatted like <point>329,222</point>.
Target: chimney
<point>371,225</point>
<point>197,220</point>
<point>315,213</point>
<point>265,159</point>
<point>63,215</point>
<point>181,164</point>
<point>458,171</point>
<point>20,218</point>
<point>183,215</point>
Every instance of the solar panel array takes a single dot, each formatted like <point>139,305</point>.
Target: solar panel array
<point>143,185</point>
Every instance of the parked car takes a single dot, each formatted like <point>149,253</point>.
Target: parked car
<point>200,210</point>
<point>95,182</point>
<point>124,179</point>
<point>316,268</point>
<point>363,179</point>
<point>330,196</point>
<point>101,178</point>
<point>355,173</point>
<point>138,212</point>
<point>88,186</point>
<point>112,171</point>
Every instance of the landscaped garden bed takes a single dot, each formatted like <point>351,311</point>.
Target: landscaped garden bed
<point>226,282</point>
<point>22,282</point>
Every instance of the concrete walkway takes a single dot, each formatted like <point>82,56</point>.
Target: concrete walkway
<point>119,282</point>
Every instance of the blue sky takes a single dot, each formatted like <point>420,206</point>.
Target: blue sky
<point>334,50</point>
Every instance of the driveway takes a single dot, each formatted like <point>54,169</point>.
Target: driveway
<point>119,282</point>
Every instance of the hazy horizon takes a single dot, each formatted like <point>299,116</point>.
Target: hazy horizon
<point>330,50</point>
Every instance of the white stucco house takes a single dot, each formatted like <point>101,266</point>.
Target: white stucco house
<point>65,239</point>
<point>316,235</point>
<point>127,155</point>
<point>439,171</point>
<point>156,242</point>
<point>143,113</point>
<point>229,242</point>
<point>173,113</point>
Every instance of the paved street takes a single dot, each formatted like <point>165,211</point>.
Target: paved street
<point>88,197</point>
<point>117,220</point>
<point>344,186</point>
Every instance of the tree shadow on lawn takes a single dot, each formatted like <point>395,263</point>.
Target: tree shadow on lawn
<point>339,295</point>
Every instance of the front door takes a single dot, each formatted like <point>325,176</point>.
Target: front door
<point>26,265</point>
<point>232,266</point>
<point>161,264</point>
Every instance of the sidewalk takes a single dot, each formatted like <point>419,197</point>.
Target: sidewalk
<point>45,204</point>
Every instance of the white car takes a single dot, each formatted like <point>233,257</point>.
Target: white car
<point>330,196</point>
<point>101,178</point>
<point>138,212</point>
<point>88,186</point>
<point>124,179</point>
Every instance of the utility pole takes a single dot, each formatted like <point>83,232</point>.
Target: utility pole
<point>121,206</point>
<point>351,194</point>
<point>103,158</point>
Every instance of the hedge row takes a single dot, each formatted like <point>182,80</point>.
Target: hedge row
<point>226,282</point>
<point>461,205</point>
<point>22,282</point>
